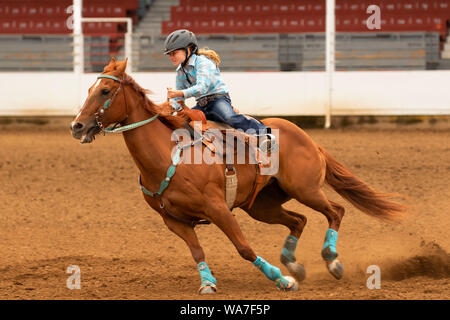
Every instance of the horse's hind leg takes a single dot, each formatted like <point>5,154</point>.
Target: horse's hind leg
<point>267,208</point>
<point>187,233</point>
<point>221,216</point>
<point>334,213</point>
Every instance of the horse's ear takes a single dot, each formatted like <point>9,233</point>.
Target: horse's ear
<point>122,66</point>
<point>112,65</point>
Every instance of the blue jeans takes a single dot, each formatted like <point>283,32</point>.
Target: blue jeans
<point>220,110</point>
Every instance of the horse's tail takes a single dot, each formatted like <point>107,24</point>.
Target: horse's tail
<point>359,194</point>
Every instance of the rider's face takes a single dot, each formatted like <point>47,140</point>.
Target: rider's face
<point>177,57</point>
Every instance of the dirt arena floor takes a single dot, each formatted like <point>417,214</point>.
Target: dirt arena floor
<point>65,204</point>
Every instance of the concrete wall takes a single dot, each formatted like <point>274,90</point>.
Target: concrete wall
<point>257,93</point>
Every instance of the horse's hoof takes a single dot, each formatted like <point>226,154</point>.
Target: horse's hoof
<point>289,284</point>
<point>336,268</point>
<point>297,270</point>
<point>208,289</point>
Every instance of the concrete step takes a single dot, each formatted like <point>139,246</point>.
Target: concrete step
<point>158,12</point>
<point>165,3</point>
<point>158,17</point>
<point>149,25</point>
<point>149,20</point>
<point>154,30</point>
<point>152,21</point>
<point>154,11</point>
<point>165,7</point>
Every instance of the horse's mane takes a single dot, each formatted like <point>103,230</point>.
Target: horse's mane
<point>165,109</point>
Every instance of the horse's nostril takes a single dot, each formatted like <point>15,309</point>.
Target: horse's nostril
<point>76,126</point>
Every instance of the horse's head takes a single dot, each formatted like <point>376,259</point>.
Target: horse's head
<point>105,104</point>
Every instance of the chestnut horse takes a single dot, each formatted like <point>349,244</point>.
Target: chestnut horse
<point>196,191</point>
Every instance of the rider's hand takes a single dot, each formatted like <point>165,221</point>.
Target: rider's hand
<point>174,93</point>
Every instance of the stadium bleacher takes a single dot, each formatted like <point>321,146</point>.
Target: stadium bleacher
<point>293,16</point>
<point>230,16</point>
<point>28,26</point>
<point>50,16</point>
<point>409,38</point>
<point>250,35</point>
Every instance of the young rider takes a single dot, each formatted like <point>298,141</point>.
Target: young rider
<point>198,76</point>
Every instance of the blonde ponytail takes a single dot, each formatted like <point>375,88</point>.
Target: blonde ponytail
<point>210,54</point>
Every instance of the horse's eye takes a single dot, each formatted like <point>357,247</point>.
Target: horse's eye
<point>105,92</point>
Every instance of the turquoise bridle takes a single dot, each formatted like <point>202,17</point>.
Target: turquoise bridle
<point>109,102</point>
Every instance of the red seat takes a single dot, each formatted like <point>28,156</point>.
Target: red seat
<point>50,16</point>
<point>443,6</point>
<point>176,11</point>
<point>33,26</point>
<point>99,27</point>
<point>167,27</point>
<point>292,16</point>
<point>22,9</point>
<point>308,8</point>
<point>349,23</point>
<point>214,9</point>
<point>105,10</point>
<point>412,22</point>
<point>356,6</point>
<point>239,24</point>
<point>409,6</point>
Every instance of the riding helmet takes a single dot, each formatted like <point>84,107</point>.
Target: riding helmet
<point>180,39</point>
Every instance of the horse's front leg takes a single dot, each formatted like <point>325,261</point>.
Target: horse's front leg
<point>218,212</point>
<point>187,233</point>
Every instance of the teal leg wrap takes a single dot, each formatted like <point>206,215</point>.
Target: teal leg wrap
<point>287,254</point>
<point>329,252</point>
<point>206,275</point>
<point>271,272</point>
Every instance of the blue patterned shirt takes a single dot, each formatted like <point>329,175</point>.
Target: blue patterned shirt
<point>204,76</point>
